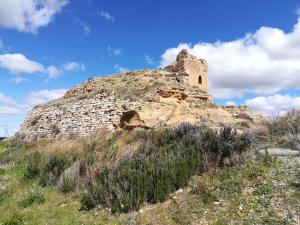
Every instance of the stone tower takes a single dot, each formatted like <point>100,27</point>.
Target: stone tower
<point>190,70</point>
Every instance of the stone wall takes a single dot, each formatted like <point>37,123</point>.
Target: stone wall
<point>80,117</point>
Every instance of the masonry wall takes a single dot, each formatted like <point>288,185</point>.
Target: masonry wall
<point>196,68</point>
<point>81,117</point>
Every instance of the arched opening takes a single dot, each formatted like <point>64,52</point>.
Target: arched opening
<point>199,80</point>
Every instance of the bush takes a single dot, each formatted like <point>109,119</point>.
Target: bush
<point>48,170</point>
<point>2,171</point>
<point>15,219</point>
<point>3,192</point>
<point>163,164</point>
<point>53,168</point>
<point>285,130</point>
<point>75,177</point>
<point>33,165</point>
<point>34,195</point>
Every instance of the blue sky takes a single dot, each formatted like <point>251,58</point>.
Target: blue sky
<point>252,47</point>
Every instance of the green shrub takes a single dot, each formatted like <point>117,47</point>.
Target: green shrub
<point>3,192</point>
<point>66,185</point>
<point>2,171</point>
<point>268,160</point>
<point>15,219</point>
<point>33,165</point>
<point>162,165</point>
<point>34,195</point>
<point>53,168</point>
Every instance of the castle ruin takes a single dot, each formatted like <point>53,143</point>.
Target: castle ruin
<point>137,99</point>
<point>190,70</point>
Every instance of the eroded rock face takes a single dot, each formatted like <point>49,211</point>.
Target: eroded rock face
<point>138,99</point>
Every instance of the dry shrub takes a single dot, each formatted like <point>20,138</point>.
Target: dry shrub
<point>75,177</point>
<point>78,146</point>
<point>261,132</point>
<point>285,130</point>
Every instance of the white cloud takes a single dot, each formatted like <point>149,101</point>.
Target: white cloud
<point>149,60</point>
<point>53,72</point>
<point>7,100</point>
<point>6,110</point>
<point>8,106</point>
<point>263,62</point>
<point>86,29</point>
<point>230,103</point>
<point>274,104</point>
<point>120,69</point>
<point>114,51</point>
<point>29,15</point>
<point>43,96</point>
<point>73,66</point>
<point>106,15</point>
<point>18,63</point>
<point>18,79</point>
<point>298,11</point>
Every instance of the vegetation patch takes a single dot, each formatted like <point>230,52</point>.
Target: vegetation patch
<point>163,165</point>
<point>34,195</point>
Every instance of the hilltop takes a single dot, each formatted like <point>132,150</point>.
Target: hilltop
<point>150,147</point>
<point>138,99</point>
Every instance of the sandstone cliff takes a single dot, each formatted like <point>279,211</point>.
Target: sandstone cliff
<point>139,99</point>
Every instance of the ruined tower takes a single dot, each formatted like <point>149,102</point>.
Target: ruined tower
<point>190,70</point>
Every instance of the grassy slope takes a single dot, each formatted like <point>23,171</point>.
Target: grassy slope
<point>209,199</point>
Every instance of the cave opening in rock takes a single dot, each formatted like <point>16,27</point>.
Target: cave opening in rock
<point>130,120</point>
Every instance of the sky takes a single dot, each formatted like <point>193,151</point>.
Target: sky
<point>48,46</point>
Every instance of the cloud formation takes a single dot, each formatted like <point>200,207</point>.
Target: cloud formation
<point>7,110</point>
<point>264,62</point>
<point>106,15</point>
<point>29,15</point>
<point>120,69</point>
<point>149,60</point>
<point>8,106</point>
<point>274,104</point>
<point>86,29</point>
<point>73,66</point>
<point>114,51</point>
<point>20,64</point>
<point>7,100</point>
<point>43,96</point>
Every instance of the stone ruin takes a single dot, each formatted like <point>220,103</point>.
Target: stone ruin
<point>89,108</point>
<point>190,70</point>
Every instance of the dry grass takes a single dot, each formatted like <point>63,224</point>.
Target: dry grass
<point>284,131</point>
<point>104,147</point>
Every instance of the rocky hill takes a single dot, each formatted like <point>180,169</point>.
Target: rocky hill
<point>138,99</point>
